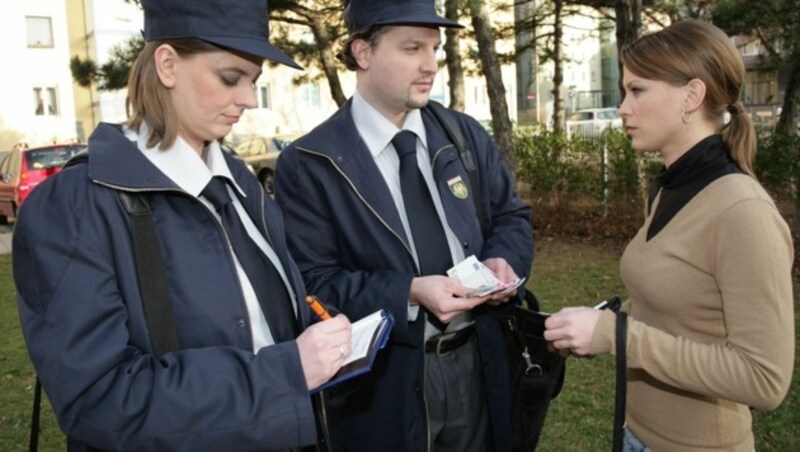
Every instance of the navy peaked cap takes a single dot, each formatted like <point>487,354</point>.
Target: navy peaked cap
<point>362,14</point>
<point>240,25</point>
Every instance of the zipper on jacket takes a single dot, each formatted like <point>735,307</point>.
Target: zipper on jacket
<point>429,443</point>
<point>361,197</point>
<point>264,220</point>
<point>290,289</point>
<point>429,447</point>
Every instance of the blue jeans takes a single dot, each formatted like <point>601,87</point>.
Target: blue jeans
<point>630,443</point>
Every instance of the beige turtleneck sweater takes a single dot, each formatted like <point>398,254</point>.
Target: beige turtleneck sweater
<point>711,320</point>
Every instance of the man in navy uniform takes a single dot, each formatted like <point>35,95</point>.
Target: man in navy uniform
<point>379,205</point>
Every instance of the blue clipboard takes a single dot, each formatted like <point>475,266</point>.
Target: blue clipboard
<point>364,364</point>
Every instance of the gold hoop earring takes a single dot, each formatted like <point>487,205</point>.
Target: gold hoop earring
<point>686,118</point>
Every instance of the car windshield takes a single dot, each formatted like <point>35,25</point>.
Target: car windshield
<point>608,114</point>
<point>52,156</point>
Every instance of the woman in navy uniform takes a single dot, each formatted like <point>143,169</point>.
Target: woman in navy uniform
<point>241,376</point>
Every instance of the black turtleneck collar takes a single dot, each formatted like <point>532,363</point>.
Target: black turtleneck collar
<point>705,162</point>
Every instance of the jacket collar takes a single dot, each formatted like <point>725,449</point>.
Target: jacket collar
<point>116,161</point>
<point>338,140</point>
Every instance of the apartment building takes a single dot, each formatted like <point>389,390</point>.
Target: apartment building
<point>589,66</point>
<point>95,28</point>
<point>42,104</point>
<point>38,100</point>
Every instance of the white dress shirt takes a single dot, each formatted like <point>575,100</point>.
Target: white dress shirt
<point>377,132</point>
<point>186,168</point>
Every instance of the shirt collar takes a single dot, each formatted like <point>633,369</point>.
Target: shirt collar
<point>377,131</point>
<point>182,164</point>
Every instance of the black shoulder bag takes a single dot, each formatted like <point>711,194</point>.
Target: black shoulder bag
<point>536,374</point>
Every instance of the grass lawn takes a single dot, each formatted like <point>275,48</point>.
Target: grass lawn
<point>16,378</point>
<point>579,419</point>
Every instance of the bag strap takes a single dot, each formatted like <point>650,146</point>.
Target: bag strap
<point>152,274</point>
<point>447,120</point>
<point>33,440</point>
<point>621,382</point>
<point>150,268</point>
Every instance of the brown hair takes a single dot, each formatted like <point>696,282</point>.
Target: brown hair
<point>149,100</point>
<point>693,49</point>
<point>371,35</point>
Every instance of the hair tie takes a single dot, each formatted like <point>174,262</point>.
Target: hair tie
<point>733,109</point>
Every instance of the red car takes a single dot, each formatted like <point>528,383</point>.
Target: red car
<point>23,169</point>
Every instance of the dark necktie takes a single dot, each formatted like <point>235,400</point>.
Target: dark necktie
<point>430,241</point>
<point>264,277</point>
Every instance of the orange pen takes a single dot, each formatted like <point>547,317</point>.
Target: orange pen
<point>317,307</point>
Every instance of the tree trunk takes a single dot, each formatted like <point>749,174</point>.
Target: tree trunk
<point>328,60</point>
<point>558,68</point>
<point>452,48</point>
<point>787,125</point>
<point>501,123</point>
<point>628,20</point>
<point>787,122</point>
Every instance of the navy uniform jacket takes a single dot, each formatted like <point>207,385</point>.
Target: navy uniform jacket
<point>347,238</point>
<point>82,318</point>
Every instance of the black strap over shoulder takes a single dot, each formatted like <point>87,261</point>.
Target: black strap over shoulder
<point>621,382</point>
<point>152,274</point>
<point>150,267</point>
<point>448,121</point>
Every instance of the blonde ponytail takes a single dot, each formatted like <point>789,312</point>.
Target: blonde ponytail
<point>740,137</point>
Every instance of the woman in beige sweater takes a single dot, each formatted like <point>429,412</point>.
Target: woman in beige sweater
<point>709,273</point>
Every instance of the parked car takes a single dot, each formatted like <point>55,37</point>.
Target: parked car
<point>261,154</point>
<point>23,169</point>
<point>591,122</point>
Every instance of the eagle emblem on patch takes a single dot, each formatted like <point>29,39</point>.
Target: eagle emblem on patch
<point>458,187</point>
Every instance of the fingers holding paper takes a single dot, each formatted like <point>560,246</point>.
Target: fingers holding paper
<point>570,330</point>
<point>323,348</point>
<point>494,277</point>
<point>507,277</point>
<point>444,297</point>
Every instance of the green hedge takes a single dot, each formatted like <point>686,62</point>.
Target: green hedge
<point>569,171</point>
<point>600,172</point>
<point>777,164</point>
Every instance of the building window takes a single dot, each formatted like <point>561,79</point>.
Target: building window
<point>40,31</point>
<point>310,93</point>
<point>263,96</point>
<point>45,100</point>
<point>760,88</point>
